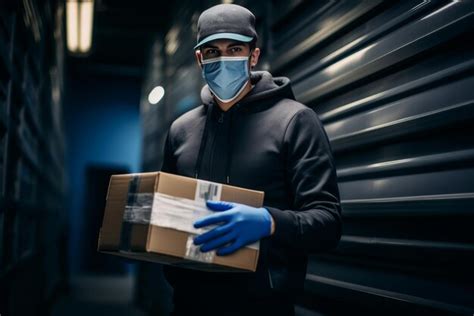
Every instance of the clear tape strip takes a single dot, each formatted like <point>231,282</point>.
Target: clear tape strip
<point>178,213</point>
<point>126,229</point>
<point>139,211</point>
<point>169,211</point>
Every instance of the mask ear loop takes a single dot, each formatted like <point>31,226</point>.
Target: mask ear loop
<point>200,59</point>
<point>250,60</point>
<point>251,67</point>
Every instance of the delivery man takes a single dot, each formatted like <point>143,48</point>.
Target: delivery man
<point>250,132</point>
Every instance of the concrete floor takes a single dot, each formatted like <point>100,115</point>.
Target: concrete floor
<point>105,295</point>
<point>98,295</point>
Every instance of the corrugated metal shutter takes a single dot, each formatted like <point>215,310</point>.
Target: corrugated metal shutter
<point>393,84</point>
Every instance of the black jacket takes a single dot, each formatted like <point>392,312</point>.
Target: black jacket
<point>268,142</point>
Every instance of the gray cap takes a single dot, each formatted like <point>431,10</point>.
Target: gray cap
<point>226,21</point>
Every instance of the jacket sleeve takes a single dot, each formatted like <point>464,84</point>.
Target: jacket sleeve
<point>169,163</point>
<point>314,222</point>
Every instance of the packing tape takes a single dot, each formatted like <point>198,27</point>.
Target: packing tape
<point>126,230</point>
<point>166,211</point>
<point>169,211</point>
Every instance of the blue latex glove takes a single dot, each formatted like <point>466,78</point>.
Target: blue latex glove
<point>240,225</point>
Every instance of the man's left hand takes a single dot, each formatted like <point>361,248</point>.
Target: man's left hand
<point>240,225</point>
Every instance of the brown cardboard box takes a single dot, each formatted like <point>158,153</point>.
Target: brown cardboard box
<point>150,230</point>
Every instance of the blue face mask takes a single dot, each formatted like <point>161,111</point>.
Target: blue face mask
<point>226,76</point>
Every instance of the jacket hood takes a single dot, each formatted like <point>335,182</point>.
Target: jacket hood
<point>266,89</point>
<point>266,92</point>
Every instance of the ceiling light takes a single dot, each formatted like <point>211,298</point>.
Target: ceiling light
<point>156,95</point>
<point>79,22</point>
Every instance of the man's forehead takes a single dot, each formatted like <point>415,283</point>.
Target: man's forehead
<point>222,43</point>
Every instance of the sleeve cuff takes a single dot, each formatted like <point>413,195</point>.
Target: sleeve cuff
<point>285,230</point>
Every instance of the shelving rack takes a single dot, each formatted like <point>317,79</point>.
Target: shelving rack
<point>32,174</point>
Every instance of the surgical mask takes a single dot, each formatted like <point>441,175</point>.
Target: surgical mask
<point>226,76</point>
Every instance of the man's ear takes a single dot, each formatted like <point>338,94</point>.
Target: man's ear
<point>198,56</point>
<point>254,57</point>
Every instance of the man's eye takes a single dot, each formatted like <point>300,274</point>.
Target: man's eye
<point>211,52</point>
<point>236,49</point>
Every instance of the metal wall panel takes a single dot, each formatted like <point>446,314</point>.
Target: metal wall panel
<point>392,83</point>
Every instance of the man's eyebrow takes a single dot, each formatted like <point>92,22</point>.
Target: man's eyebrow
<point>232,44</point>
<point>209,46</point>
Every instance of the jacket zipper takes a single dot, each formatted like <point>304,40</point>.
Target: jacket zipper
<point>270,278</point>
<point>219,120</point>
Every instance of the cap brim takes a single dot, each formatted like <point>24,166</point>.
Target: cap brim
<point>232,36</point>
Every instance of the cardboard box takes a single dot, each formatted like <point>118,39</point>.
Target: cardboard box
<point>149,216</point>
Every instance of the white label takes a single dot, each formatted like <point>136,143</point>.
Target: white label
<point>206,190</point>
<point>194,253</point>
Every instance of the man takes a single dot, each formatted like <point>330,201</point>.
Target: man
<point>250,132</point>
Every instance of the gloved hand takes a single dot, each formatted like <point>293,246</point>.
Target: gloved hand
<point>240,225</point>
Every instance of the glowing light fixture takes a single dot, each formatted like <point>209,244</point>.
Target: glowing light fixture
<point>79,22</point>
<point>156,95</point>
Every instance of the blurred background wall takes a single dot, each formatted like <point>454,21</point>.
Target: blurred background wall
<point>103,131</point>
<point>33,214</point>
<point>391,81</point>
